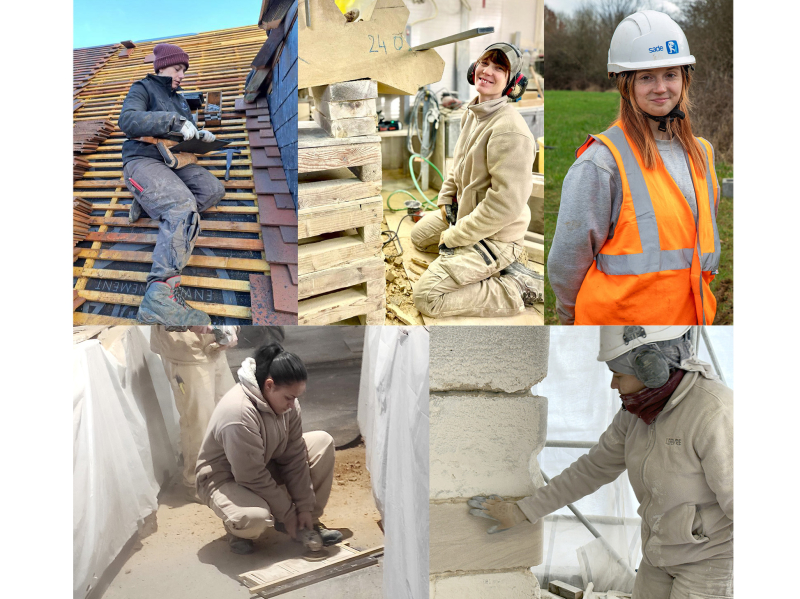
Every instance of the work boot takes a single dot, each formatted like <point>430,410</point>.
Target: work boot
<point>240,546</point>
<point>529,282</point>
<point>135,212</point>
<point>329,537</point>
<point>164,303</point>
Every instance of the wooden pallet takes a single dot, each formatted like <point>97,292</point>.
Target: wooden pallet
<point>340,261</point>
<point>111,265</point>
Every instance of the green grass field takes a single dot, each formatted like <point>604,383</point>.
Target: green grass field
<point>570,117</point>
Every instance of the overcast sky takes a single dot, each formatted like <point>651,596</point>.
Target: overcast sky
<point>567,6</point>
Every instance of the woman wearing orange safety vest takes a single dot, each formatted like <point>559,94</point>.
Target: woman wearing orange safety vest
<point>636,240</point>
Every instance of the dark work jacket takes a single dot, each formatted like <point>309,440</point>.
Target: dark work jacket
<point>151,108</point>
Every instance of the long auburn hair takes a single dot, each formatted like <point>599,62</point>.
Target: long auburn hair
<point>637,126</point>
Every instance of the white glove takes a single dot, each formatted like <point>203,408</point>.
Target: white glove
<point>206,136</point>
<point>189,131</point>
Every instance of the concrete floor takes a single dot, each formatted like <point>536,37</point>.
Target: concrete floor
<point>188,558</point>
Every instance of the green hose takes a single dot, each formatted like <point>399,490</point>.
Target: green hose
<point>426,200</point>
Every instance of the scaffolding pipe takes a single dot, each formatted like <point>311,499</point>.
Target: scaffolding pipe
<point>713,354</point>
<point>596,533</point>
<point>570,444</point>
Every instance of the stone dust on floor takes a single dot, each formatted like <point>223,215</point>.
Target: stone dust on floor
<point>188,555</point>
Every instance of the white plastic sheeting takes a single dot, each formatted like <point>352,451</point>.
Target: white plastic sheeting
<point>122,417</point>
<point>581,406</point>
<point>394,420</point>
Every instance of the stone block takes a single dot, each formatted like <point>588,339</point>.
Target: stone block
<point>451,526</point>
<point>501,585</point>
<point>502,359</point>
<point>727,188</point>
<point>483,443</point>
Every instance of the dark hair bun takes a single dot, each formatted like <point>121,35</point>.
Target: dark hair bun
<point>283,367</point>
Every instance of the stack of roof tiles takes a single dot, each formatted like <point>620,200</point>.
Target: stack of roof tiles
<point>88,135</point>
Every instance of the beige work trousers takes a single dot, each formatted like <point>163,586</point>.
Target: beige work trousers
<point>204,384</point>
<point>246,514</point>
<point>462,283</point>
<point>707,579</point>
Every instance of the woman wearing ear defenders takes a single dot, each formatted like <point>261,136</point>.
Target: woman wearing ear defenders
<point>636,239</point>
<point>674,436</point>
<point>484,203</point>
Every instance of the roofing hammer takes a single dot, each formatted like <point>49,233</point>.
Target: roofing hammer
<point>229,152</point>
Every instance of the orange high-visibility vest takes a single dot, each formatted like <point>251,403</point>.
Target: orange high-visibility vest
<point>656,269</point>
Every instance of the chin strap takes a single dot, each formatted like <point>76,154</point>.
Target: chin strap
<point>662,120</point>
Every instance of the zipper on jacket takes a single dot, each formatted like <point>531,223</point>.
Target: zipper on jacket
<point>652,436</point>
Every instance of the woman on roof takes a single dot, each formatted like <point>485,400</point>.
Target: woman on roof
<point>484,212</point>
<point>175,198</point>
<point>636,239</point>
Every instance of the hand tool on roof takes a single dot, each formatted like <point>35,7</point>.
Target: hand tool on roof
<point>229,159</point>
<point>173,159</point>
<point>177,154</point>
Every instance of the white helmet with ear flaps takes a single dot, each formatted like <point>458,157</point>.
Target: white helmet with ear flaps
<point>617,340</point>
<point>648,39</point>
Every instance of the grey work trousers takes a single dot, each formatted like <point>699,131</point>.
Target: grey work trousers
<point>175,198</point>
<point>246,514</point>
<point>461,284</point>
<point>707,579</point>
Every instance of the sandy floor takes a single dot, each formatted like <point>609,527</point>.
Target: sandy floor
<point>188,555</point>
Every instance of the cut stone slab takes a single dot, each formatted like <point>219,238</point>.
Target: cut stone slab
<point>451,526</point>
<point>484,443</point>
<point>507,359</point>
<point>520,585</point>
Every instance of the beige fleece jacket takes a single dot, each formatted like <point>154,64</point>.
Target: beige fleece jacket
<point>186,347</point>
<point>246,440</point>
<point>680,468</point>
<point>492,178</point>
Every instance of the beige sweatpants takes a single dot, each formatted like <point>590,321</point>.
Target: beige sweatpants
<point>461,283</point>
<point>204,384</point>
<point>247,515</point>
<point>707,579</point>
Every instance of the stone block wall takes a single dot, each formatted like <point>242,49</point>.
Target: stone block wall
<point>486,430</point>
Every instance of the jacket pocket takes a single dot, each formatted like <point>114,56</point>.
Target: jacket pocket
<point>679,526</point>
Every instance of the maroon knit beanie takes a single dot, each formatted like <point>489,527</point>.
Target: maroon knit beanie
<point>167,55</point>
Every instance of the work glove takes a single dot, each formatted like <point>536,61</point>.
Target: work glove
<point>189,131</point>
<point>506,513</point>
<point>206,136</point>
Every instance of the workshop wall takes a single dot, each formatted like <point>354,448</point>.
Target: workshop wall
<point>486,430</point>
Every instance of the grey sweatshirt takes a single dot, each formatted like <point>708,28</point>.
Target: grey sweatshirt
<point>591,199</point>
<point>680,468</point>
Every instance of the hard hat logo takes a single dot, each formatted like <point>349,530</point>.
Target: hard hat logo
<point>672,47</point>
<point>657,49</point>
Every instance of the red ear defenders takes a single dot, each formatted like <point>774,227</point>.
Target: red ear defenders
<point>520,81</point>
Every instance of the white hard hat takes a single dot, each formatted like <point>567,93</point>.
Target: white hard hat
<point>617,340</point>
<point>648,39</point>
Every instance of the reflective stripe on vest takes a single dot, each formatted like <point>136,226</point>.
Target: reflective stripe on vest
<point>652,258</point>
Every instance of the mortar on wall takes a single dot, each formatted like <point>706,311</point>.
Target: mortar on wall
<point>485,433</point>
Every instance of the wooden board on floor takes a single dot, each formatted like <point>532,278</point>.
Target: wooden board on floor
<point>530,317</point>
<point>294,572</point>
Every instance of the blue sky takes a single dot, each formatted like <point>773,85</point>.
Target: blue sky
<point>101,22</point>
